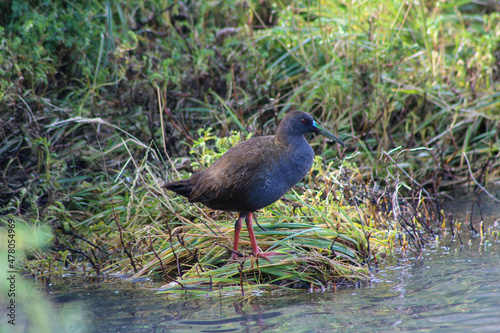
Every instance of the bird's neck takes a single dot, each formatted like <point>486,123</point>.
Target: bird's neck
<point>287,141</point>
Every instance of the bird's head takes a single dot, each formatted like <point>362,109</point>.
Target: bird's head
<point>301,123</point>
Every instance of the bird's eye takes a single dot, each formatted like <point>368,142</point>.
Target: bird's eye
<point>303,121</point>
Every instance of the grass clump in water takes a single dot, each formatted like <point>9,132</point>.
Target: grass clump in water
<point>326,232</point>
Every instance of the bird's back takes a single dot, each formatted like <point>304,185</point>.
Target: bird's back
<point>251,175</point>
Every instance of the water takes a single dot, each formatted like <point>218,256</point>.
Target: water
<point>450,288</point>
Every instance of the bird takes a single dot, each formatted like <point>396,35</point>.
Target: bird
<point>255,173</point>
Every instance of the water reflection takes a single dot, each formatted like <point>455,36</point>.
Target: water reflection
<point>243,320</point>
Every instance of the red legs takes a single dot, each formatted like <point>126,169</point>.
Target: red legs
<point>255,249</point>
<point>253,241</point>
<point>237,229</point>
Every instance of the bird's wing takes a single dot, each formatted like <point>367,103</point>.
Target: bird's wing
<point>230,178</point>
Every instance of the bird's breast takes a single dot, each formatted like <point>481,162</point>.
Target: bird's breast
<point>280,176</point>
<point>296,165</point>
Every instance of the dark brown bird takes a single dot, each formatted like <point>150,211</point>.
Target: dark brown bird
<point>255,173</point>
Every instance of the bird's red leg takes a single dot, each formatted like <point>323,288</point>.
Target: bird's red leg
<point>237,229</point>
<point>253,241</point>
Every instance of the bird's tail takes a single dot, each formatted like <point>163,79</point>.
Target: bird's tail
<point>182,187</point>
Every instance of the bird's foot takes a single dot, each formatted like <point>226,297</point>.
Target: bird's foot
<point>266,255</point>
<point>263,256</point>
<point>236,255</point>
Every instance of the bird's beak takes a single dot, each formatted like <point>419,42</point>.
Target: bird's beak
<point>321,130</point>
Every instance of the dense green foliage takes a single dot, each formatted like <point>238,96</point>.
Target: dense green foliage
<point>99,101</point>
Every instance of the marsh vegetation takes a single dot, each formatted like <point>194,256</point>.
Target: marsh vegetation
<point>101,102</point>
